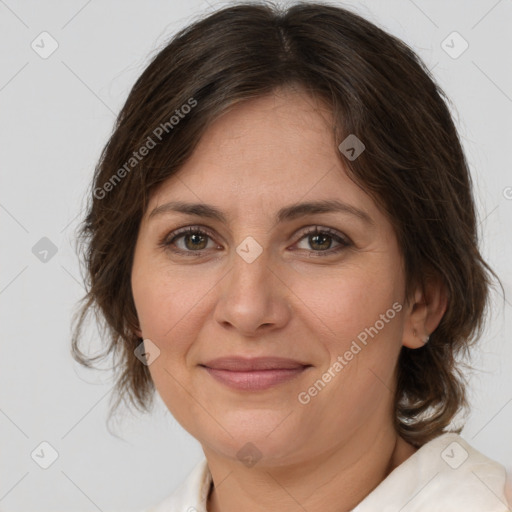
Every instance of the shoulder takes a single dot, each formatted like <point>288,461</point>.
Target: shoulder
<point>446,474</point>
<point>508,487</point>
<point>191,495</point>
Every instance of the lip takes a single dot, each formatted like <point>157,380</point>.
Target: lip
<point>254,374</point>
<point>245,364</point>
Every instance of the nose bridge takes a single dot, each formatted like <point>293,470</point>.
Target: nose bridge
<point>251,296</point>
<point>250,265</point>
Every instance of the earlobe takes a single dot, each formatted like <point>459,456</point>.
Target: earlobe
<point>134,324</point>
<point>425,314</point>
<point>135,328</point>
<point>415,334</point>
<point>422,339</point>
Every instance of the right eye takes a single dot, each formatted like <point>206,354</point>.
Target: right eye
<point>194,240</point>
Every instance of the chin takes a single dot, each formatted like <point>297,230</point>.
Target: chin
<point>262,444</point>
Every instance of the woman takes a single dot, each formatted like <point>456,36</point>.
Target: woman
<point>282,242</point>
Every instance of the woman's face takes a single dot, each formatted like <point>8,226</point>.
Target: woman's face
<point>257,284</point>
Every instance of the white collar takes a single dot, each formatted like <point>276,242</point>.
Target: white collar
<point>446,474</point>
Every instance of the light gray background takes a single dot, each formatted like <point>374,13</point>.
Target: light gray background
<point>55,116</point>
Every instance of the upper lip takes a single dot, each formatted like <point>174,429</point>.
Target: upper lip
<point>244,364</point>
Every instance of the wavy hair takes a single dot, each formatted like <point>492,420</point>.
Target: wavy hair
<point>413,167</point>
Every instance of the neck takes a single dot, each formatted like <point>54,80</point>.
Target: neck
<point>331,482</point>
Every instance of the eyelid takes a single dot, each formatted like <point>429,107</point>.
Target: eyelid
<point>172,235</point>
<point>343,240</point>
<point>324,229</point>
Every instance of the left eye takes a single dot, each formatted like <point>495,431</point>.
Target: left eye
<point>195,240</point>
<point>322,238</point>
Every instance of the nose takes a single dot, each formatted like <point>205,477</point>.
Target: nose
<point>253,297</point>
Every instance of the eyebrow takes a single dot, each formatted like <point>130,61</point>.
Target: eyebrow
<point>287,213</point>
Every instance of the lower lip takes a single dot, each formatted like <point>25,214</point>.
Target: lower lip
<point>254,380</point>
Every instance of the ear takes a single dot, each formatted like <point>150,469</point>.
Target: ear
<point>135,327</point>
<point>133,323</point>
<point>425,312</point>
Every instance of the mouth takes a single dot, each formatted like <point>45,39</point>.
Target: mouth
<point>254,374</point>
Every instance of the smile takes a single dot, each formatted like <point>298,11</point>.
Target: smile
<point>255,380</point>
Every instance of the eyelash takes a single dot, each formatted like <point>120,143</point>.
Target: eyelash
<point>170,238</point>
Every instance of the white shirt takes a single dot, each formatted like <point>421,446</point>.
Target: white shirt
<point>444,475</point>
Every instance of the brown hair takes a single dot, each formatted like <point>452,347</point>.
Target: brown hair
<point>413,166</point>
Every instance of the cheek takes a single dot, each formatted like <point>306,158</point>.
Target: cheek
<point>170,303</point>
<point>170,306</point>
<point>355,313</point>
<point>341,304</point>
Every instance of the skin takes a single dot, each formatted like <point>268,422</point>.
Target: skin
<point>262,155</point>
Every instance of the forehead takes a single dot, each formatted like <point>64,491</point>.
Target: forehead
<point>264,152</point>
<point>286,121</point>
